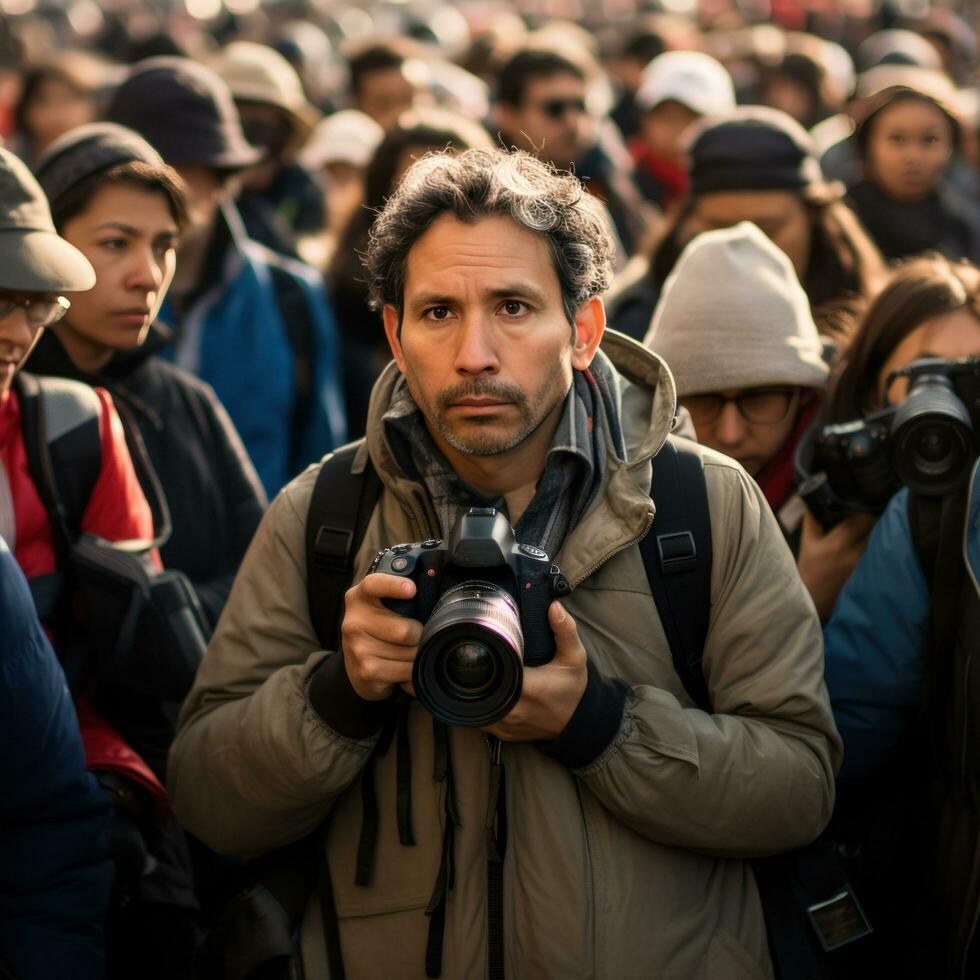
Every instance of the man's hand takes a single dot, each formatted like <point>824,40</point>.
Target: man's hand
<point>551,693</point>
<point>827,558</point>
<point>379,645</point>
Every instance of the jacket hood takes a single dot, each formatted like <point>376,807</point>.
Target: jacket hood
<point>623,510</point>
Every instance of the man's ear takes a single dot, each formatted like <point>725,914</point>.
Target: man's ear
<point>590,324</point>
<point>391,321</point>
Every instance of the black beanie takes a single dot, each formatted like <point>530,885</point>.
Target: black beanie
<point>88,150</point>
<point>752,148</point>
<point>186,111</point>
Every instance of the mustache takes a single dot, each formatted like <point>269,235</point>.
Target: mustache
<point>496,390</point>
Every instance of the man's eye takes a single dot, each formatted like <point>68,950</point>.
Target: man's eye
<point>514,307</point>
<point>437,313</point>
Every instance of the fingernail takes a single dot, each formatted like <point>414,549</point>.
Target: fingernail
<point>406,588</point>
<point>560,614</point>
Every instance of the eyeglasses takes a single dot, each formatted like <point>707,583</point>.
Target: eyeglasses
<point>764,406</point>
<point>556,108</point>
<point>40,311</point>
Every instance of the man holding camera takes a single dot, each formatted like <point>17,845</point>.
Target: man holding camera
<point>600,828</point>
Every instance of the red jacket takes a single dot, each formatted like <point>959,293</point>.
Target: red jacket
<point>116,511</point>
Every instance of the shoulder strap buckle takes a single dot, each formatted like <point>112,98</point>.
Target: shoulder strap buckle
<point>678,552</point>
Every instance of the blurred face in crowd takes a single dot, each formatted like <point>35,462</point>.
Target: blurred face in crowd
<point>782,216</point>
<point>270,129</point>
<point>22,318</point>
<point>484,342</point>
<point>908,149</point>
<point>952,335</point>
<point>384,95</point>
<point>205,192</point>
<point>748,424</point>
<point>129,235</point>
<point>551,120</point>
<point>55,108</point>
<point>662,127</point>
<point>785,93</point>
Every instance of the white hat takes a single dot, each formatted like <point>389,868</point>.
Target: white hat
<point>692,78</point>
<point>348,136</point>
<point>734,315</point>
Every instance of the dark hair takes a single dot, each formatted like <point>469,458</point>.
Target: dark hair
<point>78,73</point>
<point>418,130</point>
<point>376,56</point>
<point>920,289</point>
<point>536,61</point>
<point>844,266</point>
<point>481,184</point>
<point>162,180</point>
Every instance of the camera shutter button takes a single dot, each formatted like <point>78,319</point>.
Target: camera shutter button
<point>401,549</point>
<point>399,564</point>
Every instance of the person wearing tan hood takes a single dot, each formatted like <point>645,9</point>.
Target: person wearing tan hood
<point>618,816</point>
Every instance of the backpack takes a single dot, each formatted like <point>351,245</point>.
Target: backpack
<point>805,894</point>
<point>145,625</point>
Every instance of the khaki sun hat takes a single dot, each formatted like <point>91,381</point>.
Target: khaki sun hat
<point>34,258</point>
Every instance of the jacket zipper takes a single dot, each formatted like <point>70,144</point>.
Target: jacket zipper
<point>614,552</point>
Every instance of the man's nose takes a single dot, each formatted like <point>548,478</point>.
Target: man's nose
<point>730,427</point>
<point>475,351</point>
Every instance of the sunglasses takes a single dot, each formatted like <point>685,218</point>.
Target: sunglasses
<point>40,311</point>
<point>764,406</point>
<point>556,108</point>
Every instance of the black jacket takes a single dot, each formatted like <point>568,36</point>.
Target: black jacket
<point>213,492</point>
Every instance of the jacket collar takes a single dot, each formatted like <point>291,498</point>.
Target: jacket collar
<point>622,510</point>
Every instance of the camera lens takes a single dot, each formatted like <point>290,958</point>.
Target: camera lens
<point>934,445</point>
<point>469,667</point>
<point>468,671</point>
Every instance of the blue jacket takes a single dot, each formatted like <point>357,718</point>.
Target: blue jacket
<point>237,338</point>
<point>55,875</point>
<point>875,641</point>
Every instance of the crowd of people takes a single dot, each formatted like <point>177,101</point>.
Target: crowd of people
<point>298,298</point>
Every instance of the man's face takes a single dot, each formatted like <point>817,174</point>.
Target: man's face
<point>551,120</point>
<point>205,192</point>
<point>484,343</point>
<point>19,331</point>
<point>384,95</point>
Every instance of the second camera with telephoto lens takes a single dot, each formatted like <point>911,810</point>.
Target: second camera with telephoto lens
<point>928,443</point>
<point>483,599</point>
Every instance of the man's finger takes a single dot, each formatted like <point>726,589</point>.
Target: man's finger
<point>568,646</point>
<point>380,585</point>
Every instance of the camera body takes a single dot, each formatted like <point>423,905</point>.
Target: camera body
<point>483,599</point>
<point>928,443</point>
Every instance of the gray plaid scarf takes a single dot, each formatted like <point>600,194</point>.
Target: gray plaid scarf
<point>572,474</point>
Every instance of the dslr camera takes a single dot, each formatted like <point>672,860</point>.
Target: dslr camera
<point>928,443</point>
<point>483,599</point>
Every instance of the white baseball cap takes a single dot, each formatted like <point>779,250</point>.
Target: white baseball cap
<point>691,78</point>
<point>348,136</point>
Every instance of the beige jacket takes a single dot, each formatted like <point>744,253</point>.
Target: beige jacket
<point>632,867</point>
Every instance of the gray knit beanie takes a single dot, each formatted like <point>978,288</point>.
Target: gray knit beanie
<point>734,315</point>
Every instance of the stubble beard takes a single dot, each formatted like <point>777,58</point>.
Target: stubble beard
<point>532,412</point>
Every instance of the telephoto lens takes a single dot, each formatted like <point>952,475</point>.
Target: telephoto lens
<point>933,436</point>
<point>469,667</point>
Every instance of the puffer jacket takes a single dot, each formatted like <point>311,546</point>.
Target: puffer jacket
<point>632,865</point>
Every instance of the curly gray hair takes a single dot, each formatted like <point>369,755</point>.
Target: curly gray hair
<point>489,183</point>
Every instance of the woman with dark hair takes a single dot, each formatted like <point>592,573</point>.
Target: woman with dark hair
<point>56,97</point>
<point>757,164</point>
<point>906,139</point>
<point>930,307</point>
<point>366,351</point>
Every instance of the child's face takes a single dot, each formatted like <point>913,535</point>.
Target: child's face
<point>909,147</point>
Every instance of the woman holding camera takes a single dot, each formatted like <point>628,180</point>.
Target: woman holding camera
<point>927,309</point>
<point>899,649</point>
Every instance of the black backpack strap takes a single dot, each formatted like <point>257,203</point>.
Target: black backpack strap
<point>60,421</point>
<point>677,558</point>
<point>340,509</point>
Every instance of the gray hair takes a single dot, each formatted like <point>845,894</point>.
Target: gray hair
<point>480,184</point>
